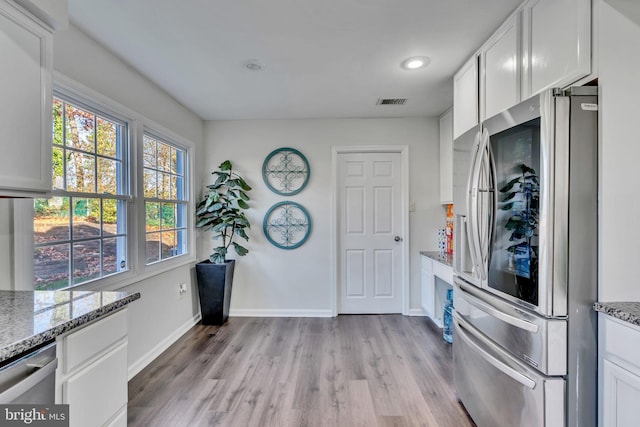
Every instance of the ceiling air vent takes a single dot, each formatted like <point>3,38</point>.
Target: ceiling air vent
<point>391,101</point>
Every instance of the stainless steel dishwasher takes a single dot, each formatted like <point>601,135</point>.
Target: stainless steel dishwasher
<point>30,379</point>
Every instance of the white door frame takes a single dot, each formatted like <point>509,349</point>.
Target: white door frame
<point>404,226</point>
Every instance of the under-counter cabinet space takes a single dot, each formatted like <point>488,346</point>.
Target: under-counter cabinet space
<point>25,83</point>
<point>92,375</point>
<point>446,158</point>
<point>436,277</point>
<point>500,67</point>
<point>557,43</point>
<point>465,97</point>
<point>619,350</point>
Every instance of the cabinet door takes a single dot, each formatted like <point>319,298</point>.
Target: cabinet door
<point>25,84</point>
<point>500,65</point>
<point>446,158</point>
<point>99,391</point>
<point>557,43</point>
<point>465,97</point>
<point>622,394</point>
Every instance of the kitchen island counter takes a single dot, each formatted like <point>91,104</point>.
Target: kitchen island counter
<point>32,318</point>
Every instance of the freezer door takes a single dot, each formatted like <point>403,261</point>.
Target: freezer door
<point>497,390</point>
<point>532,339</point>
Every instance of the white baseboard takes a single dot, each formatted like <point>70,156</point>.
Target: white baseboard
<point>156,351</point>
<point>278,313</point>
<point>416,312</point>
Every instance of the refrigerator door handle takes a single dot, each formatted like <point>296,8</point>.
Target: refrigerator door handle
<point>492,311</point>
<point>485,213</point>
<point>501,366</point>
<point>473,224</point>
<point>493,187</point>
<point>479,217</point>
<point>472,198</point>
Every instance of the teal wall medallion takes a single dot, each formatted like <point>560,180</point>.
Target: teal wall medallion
<point>285,171</point>
<point>287,225</point>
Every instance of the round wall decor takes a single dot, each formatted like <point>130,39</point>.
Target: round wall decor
<point>287,225</point>
<point>285,171</point>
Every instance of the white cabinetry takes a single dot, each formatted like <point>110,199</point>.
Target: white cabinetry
<point>500,67</point>
<point>427,285</point>
<point>25,84</point>
<point>619,384</point>
<point>436,278</point>
<point>446,158</point>
<point>465,97</point>
<point>92,375</point>
<point>557,43</point>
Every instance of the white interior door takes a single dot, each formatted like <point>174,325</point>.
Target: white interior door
<point>369,232</point>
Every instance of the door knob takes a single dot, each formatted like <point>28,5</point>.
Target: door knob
<point>397,238</point>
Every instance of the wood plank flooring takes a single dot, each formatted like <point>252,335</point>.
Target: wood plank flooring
<point>365,370</point>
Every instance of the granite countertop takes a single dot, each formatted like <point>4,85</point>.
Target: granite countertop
<point>626,311</point>
<point>446,259</point>
<point>32,318</point>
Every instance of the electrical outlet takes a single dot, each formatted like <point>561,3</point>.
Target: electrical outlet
<point>412,207</point>
<point>182,288</point>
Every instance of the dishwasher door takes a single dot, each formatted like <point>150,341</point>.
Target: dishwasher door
<point>30,379</point>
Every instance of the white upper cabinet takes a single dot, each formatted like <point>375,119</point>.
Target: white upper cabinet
<point>500,67</point>
<point>465,97</point>
<point>25,84</point>
<point>557,43</point>
<point>446,158</point>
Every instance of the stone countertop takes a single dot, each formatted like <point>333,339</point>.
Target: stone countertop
<point>626,311</point>
<point>31,318</point>
<point>446,259</point>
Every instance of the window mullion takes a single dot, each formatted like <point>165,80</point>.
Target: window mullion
<point>95,153</point>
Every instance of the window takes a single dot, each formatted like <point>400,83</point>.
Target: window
<point>165,200</point>
<point>80,233</point>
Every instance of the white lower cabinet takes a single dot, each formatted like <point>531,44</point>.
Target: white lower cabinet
<point>92,373</point>
<point>619,344</point>
<point>427,285</point>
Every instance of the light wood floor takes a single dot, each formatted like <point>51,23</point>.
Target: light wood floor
<point>366,370</point>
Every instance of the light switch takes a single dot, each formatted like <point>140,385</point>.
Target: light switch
<point>412,207</point>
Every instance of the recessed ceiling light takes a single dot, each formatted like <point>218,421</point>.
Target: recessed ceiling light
<point>415,62</point>
<point>253,65</point>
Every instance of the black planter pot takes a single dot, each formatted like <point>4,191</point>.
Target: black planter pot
<point>214,289</point>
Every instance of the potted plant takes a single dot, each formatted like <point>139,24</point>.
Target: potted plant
<point>522,198</point>
<point>221,210</point>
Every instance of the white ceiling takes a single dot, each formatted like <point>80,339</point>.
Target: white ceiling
<point>322,58</point>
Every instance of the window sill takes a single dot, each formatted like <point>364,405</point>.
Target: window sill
<point>124,280</point>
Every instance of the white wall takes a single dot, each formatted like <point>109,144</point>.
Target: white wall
<point>161,315</point>
<point>272,281</point>
<point>619,81</point>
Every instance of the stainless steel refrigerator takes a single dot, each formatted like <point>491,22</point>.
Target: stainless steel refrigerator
<point>525,263</point>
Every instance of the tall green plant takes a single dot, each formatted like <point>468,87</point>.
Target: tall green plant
<point>221,211</point>
<point>522,198</point>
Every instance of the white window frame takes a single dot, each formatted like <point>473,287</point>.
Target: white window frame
<point>23,273</point>
<point>171,139</point>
